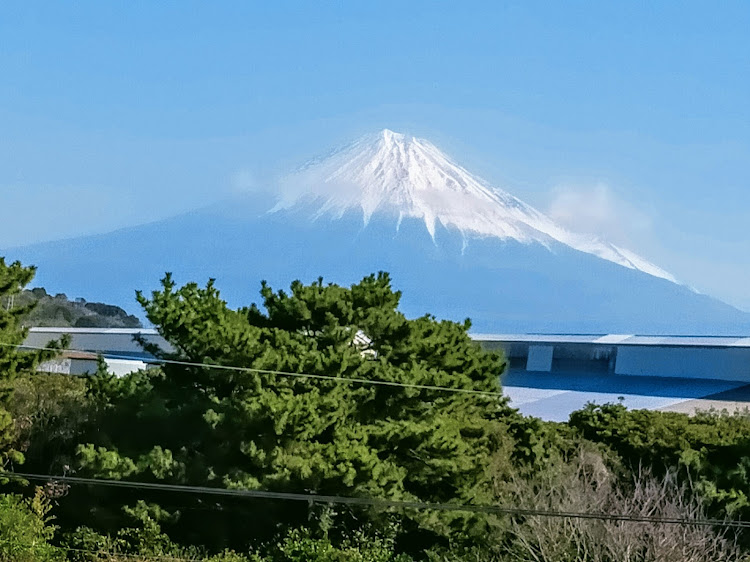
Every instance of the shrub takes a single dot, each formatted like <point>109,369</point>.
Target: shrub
<point>25,530</point>
<point>585,484</point>
<point>300,546</point>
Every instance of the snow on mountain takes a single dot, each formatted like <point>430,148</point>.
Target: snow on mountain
<point>454,246</point>
<point>408,177</point>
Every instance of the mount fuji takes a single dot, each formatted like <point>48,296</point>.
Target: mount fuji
<point>456,246</point>
<point>390,173</point>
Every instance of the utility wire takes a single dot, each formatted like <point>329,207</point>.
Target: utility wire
<point>353,380</point>
<point>377,502</point>
<point>344,500</point>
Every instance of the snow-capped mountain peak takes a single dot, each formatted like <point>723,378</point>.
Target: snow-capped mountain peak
<point>408,177</point>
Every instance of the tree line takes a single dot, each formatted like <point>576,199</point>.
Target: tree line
<point>435,430</point>
<point>59,311</point>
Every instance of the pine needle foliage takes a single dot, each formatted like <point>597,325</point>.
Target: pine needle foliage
<point>258,430</point>
<point>14,362</point>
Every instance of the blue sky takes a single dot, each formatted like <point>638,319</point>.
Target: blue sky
<point>628,119</point>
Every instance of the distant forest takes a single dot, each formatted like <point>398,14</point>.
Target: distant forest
<point>57,310</point>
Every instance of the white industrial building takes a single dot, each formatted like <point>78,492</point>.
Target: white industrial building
<point>723,358</point>
<point>549,375</point>
<point>117,346</point>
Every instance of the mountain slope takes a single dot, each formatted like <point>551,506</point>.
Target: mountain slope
<point>456,247</point>
<point>57,310</point>
<point>391,173</point>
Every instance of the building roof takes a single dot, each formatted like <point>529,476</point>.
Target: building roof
<point>85,355</point>
<point>123,331</point>
<point>540,339</point>
<point>617,339</point>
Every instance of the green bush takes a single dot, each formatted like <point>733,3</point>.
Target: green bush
<point>25,532</point>
<point>146,539</point>
<point>49,413</point>
<point>300,546</point>
<point>711,449</point>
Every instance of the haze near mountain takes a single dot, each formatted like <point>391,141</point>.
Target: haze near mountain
<point>454,245</point>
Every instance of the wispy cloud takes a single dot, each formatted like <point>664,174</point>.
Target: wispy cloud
<point>600,211</point>
<point>244,181</point>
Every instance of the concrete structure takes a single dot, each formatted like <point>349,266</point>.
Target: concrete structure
<point>71,363</point>
<point>117,346</point>
<point>721,358</point>
<point>114,341</point>
<point>85,363</point>
<point>549,376</point>
<point>718,358</point>
<point>553,375</point>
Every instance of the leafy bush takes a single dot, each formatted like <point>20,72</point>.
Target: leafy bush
<point>49,413</point>
<point>300,546</point>
<point>712,449</point>
<point>144,540</point>
<point>147,541</point>
<point>583,482</point>
<point>25,530</point>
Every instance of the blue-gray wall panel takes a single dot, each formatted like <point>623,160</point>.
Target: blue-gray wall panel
<point>732,364</point>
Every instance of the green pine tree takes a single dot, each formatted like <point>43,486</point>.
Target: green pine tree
<point>13,361</point>
<point>259,430</point>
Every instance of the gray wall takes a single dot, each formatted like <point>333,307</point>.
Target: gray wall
<point>103,341</point>
<point>725,363</point>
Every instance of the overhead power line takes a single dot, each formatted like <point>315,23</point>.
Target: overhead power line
<point>352,380</point>
<point>376,502</point>
<point>335,499</point>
